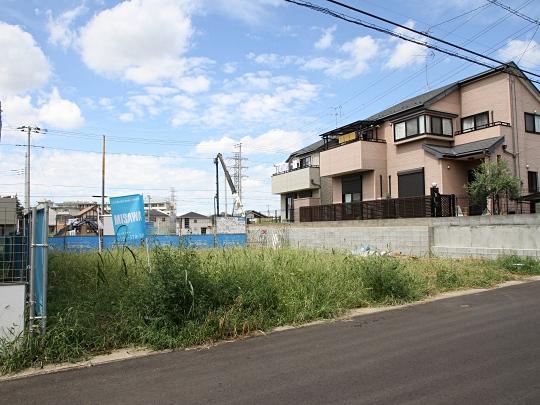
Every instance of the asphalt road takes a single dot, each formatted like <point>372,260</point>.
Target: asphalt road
<point>475,349</point>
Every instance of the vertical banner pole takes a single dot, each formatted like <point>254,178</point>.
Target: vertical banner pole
<point>32,298</point>
<point>45,257</point>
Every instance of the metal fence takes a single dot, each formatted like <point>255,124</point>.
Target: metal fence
<point>503,205</point>
<point>14,246</point>
<point>412,207</point>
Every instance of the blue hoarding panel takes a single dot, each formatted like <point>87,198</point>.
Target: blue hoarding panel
<point>41,232</point>
<point>89,243</point>
<point>128,217</point>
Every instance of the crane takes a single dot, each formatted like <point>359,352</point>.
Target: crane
<point>238,207</point>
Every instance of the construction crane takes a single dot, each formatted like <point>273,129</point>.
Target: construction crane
<point>238,207</point>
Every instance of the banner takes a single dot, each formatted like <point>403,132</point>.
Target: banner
<point>128,217</point>
<point>230,225</point>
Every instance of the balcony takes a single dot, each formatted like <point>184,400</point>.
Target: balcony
<point>295,179</point>
<point>491,130</point>
<point>360,155</point>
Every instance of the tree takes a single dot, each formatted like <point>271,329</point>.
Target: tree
<point>491,179</point>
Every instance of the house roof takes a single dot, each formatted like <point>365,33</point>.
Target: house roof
<point>192,214</point>
<point>256,214</point>
<point>157,213</point>
<point>467,149</point>
<point>87,209</point>
<point>314,147</point>
<point>424,100</point>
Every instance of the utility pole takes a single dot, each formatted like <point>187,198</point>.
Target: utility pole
<point>172,213</point>
<point>148,220</point>
<point>28,130</point>
<point>100,228</point>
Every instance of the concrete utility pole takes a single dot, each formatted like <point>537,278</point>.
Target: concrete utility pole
<point>28,130</point>
<point>100,228</point>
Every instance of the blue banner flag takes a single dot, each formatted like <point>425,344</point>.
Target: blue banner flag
<point>128,217</point>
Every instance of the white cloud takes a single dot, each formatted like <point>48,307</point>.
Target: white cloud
<point>60,113</point>
<point>229,67</point>
<point>275,60</point>
<point>60,32</point>
<point>515,48</point>
<point>132,173</point>
<point>24,67</point>
<point>54,112</point>
<point>406,53</point>
<point>126,117</point>
<point>275,140</point>
<point>326,39</point>
<point>249,11</point>
<point>193,84</point>
<point>143,41</point>
<point>361,51</point>
<point>106,103</point>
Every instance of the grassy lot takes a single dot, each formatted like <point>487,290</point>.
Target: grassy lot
<point>98,303</point>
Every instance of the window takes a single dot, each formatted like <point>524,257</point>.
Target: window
<point>411,183</point>
<point>305,194</point>
<point>475,122</point>
<point>203,231</point>
<point>533,182</point>
<point>305,162</point>
<point>351,188</point>
<point>423,124</point>
<point>399,131</point>
<point>186,223</point>
<point>532,123</point>
<point>194,221</point>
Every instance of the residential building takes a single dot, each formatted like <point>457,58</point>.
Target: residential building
<point>8,215</point>
<point>438,137</point>
<point>299,181</point>
<point>160,221</point>
<point>193,223</point>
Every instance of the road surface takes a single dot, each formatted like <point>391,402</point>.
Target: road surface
<point>474,349</point>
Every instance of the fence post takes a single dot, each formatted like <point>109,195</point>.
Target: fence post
<point>31,298</point>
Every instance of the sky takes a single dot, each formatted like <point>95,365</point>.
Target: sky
<point>171,83</point>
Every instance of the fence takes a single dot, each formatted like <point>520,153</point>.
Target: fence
<point>90,243</point>
<point>412,207</point>
<point>502,205</point>
<point>14,246</point>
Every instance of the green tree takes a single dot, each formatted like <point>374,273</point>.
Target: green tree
<point>491,180</point>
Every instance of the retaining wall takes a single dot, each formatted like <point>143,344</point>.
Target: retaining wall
<point>457,237</point>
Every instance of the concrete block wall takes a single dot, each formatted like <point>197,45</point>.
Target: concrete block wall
<point>459,237</point>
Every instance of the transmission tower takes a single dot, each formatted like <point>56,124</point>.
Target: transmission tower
<point>172,213</point>
<point>238,169</point>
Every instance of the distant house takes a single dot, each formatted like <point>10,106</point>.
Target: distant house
<point>193,224</point>
<point>160,221</point>
<point>253,216</point>
<point>8,215</point>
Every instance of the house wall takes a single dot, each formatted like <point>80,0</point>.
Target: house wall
<point>528,144</point>
<point>194,227</point>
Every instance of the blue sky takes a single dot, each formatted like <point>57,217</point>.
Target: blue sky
<point>173,82</point>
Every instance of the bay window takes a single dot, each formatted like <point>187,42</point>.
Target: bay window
<point>423,124</point>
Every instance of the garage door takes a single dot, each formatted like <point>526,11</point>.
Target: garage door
<point>411,183</point>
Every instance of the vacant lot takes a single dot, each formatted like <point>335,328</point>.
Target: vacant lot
<point>101,302</point>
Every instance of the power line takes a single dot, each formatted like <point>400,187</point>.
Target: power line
<point>424,34</point>
<point>356,21</point>
<point>515,12</point>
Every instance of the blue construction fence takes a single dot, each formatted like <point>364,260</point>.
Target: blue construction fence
<point>89,243</point>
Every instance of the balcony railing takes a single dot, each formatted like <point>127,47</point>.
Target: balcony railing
<point>332,145</point>
<point>411,207</point>
<point>478,128</point>
<point>287,168</point>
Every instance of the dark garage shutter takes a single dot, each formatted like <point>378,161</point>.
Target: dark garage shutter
<point>411,183</point>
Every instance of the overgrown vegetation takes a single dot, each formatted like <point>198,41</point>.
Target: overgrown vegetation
<point>98,303</point>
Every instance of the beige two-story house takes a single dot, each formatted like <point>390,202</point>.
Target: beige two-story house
<point>438,137</point>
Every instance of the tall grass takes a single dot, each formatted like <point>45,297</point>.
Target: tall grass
<point>102,302</point>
